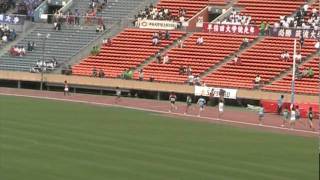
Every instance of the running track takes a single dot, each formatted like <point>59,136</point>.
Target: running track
<point>231,116</point>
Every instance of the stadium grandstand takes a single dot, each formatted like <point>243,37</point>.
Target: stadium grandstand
<point>223,43</point>
<point>259,55</point>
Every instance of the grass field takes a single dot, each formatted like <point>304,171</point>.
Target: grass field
<point>47,140</point>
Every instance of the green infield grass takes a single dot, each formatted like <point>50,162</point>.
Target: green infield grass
<point>49,140</point>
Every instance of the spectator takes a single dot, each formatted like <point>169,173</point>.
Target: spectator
<point>101,73</point>
<point>285,56</point>
<point>158,57</point>
<point>310,73</point>
<point>190,79</point>
<point>167,35</point>
<point>257,81</point>
<point>180,43</point>
<point>262,28</point>
<point>237,60</point>
<point>166,59</point>
<point>245,43</point>
<point>182,70</point>
<point>189,71</point>
<point>298,57</point>
<point>200,41</point>
<point>94,72</point>
<point>141,75</point>
<point>197,81</point>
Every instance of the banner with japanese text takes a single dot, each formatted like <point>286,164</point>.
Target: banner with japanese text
<point>212,91</point>
<point>295,33</point>
<point>12,19</point>
<point>157,24</point>
<point>231,29</point>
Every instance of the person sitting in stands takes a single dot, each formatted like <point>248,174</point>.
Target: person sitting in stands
<point>94,72</point>
<point>237,60</point>
<point>310,73</point>
<point>158,57</point>
<point>165,59</point>
<point>200,41</point>
<point>298,57</point>
<point>245,43</point>
<point>285,56</point>
<point>167,35</point>
<point>101,73</point>
<point>22,51</point>
<point>180,43</point>
<point>189,70</point>
<point>190,79</point>
<point>141,75</point>
<point>197,81</point>
<point>155,41</point>
<point>182,70</point>
<point>257,81</point>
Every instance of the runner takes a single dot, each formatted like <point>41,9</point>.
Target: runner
<point>172,99</point>
<point>66,88</point>
<point>220,108</point>
<point>261,115</point>
<point>285,117</point>
<point>293,118</point>
<point>201,102</point>
<point>310,118</point>
<point>118,95</point>
<point>189,103</point>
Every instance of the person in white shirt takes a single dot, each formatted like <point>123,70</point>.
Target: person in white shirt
<point>292,117</point>
<point>299,57</point>
<point>285,56</point>
<point>4,38</point>
<point>220,109</point>
<point>200,40</point>
<point>165,59</point>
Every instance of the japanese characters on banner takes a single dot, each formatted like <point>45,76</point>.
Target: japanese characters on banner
<point>295,33</point>
<point>206,91</point>
<point>11,19</point>
<point>231,29</point>
<point>157,24</point>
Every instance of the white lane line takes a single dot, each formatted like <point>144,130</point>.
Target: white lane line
<point>163,112</point>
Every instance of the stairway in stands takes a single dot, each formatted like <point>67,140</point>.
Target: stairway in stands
<point>61,44</point>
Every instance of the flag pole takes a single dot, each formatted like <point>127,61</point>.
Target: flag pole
<point>293,72</point>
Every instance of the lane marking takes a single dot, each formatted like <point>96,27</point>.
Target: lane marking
<point>163,112</point>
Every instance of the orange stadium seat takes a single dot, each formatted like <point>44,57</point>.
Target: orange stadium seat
<point>128,50</point>
<point>262,59</point>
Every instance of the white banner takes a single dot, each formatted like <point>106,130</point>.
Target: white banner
<point>155,24</point>
<point>206,91</point>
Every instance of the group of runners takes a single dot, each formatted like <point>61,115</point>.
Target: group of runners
<point>288,117</point>
<point>201,103</point>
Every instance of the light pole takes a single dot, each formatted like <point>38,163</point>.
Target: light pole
<point>44,38</point>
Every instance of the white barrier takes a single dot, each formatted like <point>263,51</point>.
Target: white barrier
<point>206,91</point>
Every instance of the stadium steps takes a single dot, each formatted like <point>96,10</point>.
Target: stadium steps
<point>230,58</point>
<point>164,51</point>
<point>61,44</point>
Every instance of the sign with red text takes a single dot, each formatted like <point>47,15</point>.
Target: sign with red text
<point>231,29</point>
